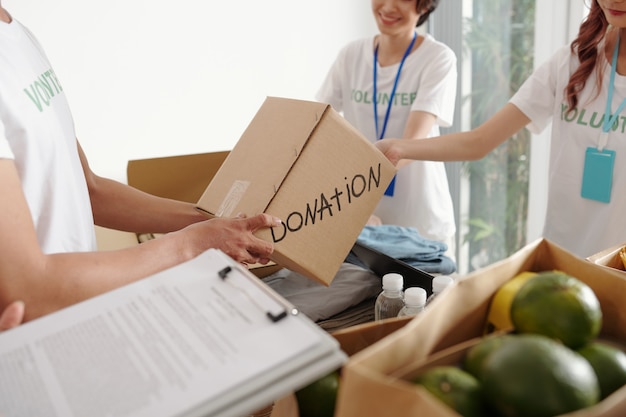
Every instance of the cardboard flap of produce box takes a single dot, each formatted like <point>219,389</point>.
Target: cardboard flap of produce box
<point>303,162</point>
<point>613,257</point>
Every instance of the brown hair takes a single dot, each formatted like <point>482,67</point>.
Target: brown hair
<point>592,31</point>
<point>426,7</point>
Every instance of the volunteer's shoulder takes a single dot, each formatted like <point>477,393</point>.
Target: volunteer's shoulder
<point>438,50</point>
<point>356,47</point>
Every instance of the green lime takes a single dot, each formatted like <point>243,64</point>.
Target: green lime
<point>319,397</point>
<point>559,306</point>
<point>534,375</point>
<point>609,363</point>
<point>455,387</point>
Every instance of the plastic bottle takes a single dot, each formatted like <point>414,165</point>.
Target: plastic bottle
<point>390,301</point>
<point>414,301</point>
<point>440,283</point>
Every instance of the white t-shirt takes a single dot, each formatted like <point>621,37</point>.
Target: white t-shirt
<point>37,131</point>
<point>578,224</point>
<point>427,83</point>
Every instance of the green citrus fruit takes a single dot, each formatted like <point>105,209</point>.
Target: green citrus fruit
<point>609,363</point>
<point>476,356</point>
<point>534,375</point>
<point>319,397</point>
<point>557,305</point>
<point>455,387</point>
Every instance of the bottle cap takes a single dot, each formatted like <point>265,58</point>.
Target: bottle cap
<point>393,282</point>
<point>441,282</point>
<point>415,296</point>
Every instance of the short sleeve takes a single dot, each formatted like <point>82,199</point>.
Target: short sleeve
<point>331,89</point>
<point>543,90</point>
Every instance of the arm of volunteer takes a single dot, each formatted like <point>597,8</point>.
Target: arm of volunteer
<point>121,207</point>
<point>417,126</point>
<point>462,146</point>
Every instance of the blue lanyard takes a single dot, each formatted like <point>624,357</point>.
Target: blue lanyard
<point>393,91</point>
<point>609,119</point>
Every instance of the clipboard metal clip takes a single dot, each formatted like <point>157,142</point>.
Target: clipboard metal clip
<point>273,316</point>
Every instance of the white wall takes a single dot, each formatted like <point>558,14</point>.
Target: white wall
<point>154,78</point>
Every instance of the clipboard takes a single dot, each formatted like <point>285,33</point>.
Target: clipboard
<point>205,338</point>
<point>381,264</point>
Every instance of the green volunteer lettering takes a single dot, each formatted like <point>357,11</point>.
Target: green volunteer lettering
<point>581,118</point>
<point>595,120</point>
<point>596,124</point>
<point>34,97</point>
<point>43,89</point>
<point>400,99</point>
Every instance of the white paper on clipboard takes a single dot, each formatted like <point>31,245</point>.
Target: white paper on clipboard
<point>205,338</point>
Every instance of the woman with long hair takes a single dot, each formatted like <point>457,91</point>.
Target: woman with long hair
<point>581,90</point>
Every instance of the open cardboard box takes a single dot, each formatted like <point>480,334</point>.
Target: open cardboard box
<point>302,162</point>
<point>459,315</point>
<point>612,406</point>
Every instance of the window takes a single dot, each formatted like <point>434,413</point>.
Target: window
<point>500,200</point>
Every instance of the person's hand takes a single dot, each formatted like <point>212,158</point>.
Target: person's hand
<point>374,221</point>
<point>235,237</point>
<point>12,316</point>
<point>390,148</point>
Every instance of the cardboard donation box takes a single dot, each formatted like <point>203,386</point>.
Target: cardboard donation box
<point>613,257</point>
<point>302,162</point>
<point>377,380</point>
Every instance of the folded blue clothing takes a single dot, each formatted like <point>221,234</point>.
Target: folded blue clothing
<point>407,245</point>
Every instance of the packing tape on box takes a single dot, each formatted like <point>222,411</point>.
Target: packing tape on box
<point>232,199</point>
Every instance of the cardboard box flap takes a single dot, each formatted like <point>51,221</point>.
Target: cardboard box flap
<point>610,258</point>
<point>183,177</point>
<point>285,123</point>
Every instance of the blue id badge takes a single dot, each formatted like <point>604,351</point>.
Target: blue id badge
<point>598,174</point>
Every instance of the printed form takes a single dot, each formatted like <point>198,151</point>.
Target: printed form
<point>205,338</point>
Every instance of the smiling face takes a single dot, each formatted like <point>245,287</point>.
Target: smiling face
<point>395,17</point>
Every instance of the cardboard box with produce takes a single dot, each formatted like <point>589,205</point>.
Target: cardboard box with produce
<point>512,313</point>
<point>613,257</point>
